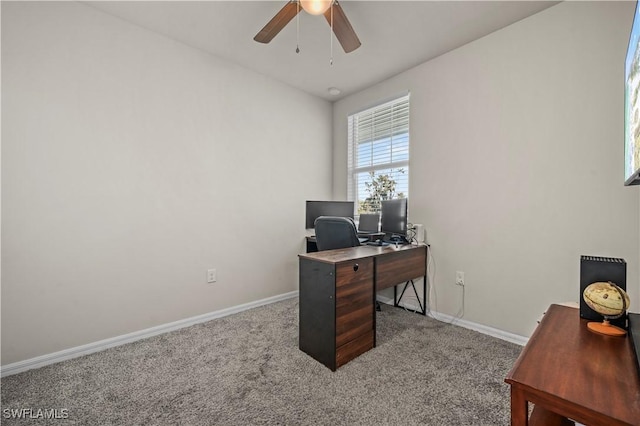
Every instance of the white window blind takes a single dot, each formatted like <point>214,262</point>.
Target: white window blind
<point>379,155</point>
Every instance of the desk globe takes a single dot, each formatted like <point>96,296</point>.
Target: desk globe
<point>610,301</point>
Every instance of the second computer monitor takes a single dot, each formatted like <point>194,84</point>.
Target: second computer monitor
<point>369,222</point>
<point>394,216</point>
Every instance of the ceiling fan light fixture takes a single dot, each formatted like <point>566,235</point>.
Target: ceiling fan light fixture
<point>316,7</point>
<point>332,11</point>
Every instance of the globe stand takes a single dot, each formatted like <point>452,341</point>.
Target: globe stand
<point>606,328</point>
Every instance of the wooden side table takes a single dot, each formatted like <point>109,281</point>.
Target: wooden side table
<point>569,372</point>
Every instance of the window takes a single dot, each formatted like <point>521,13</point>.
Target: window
<point>379,155</point>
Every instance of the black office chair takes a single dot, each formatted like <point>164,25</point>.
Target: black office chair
<point>333,232</point>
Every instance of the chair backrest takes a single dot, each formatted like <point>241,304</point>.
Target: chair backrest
<point>334,232</point>
<point>369,222</point>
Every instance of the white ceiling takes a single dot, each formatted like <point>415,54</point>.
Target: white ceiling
<point>395,35</point>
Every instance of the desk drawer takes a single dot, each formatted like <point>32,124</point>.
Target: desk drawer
<point>354,302</point>
<point>354,296</point>
<point>354,271</point>
<point>353,331</point>
<point>349,351</point>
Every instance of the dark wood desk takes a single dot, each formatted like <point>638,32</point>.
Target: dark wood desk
<point>337,296</point>
<point>567,370</point>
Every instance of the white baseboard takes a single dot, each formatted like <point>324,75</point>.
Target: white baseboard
<point>41,361</point>
<point>494,332</point>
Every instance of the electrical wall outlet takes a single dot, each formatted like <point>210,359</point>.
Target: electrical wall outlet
<point>212,276</point>
<point>459,278</point>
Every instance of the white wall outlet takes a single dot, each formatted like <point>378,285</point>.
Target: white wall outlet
<point>212,276</point>
<point>459,278</point>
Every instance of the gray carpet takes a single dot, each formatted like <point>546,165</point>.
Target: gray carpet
<point>246,369</point>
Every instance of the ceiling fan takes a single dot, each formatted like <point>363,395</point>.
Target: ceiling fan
<point>331,10</point>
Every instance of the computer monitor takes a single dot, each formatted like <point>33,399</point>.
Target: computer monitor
<point>394,216</point>
<point>316,209</point>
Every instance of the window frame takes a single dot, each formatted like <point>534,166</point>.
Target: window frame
<point>353,171</point>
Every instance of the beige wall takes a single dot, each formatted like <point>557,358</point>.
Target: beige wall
<point>516,161</point>
<point>131,164</point>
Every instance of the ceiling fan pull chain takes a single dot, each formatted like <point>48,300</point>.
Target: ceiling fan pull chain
<point>331,37</point>
<point>298,27</point>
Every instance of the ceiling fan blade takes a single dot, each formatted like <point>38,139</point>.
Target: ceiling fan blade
<point>278,22</point>
<point>342,28</point>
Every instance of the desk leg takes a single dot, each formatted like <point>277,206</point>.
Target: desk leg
<point>395,296</point>
<point>424,295</point>
<point>423,307</point>
<point>519,408</point>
